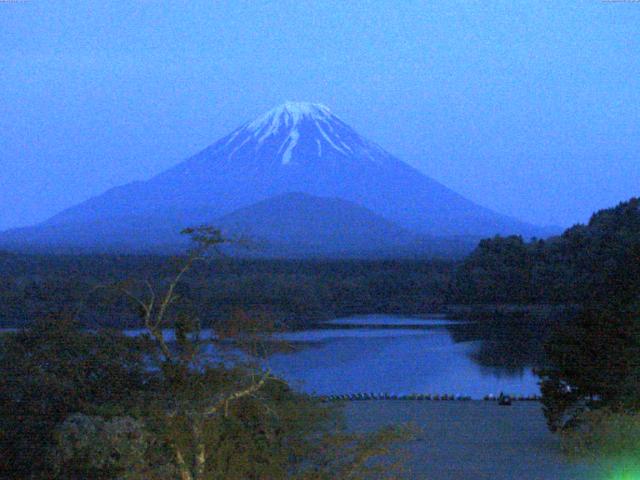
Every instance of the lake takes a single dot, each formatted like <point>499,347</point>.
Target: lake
<point>403,355</point>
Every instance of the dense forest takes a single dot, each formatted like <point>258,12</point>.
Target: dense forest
<point>587,263</point>
<point>290,292</point>
<point>590,381</point>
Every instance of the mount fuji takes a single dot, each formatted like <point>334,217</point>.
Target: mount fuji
<point>294,148</point>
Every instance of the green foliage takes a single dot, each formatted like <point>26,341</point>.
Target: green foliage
<point>93,447</point>
<point>225,420</point>
<point>98,405</point>
<point>263,436</point>
<point>301,440</point>
<point>360,456</point>
<point>592,363</point>
<point>606,434</point>
<point>205,236</point>
<point>50,371</point>
<point>496,262</point>
<point>80,405</point>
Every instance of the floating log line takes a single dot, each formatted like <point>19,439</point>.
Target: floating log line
<point>347,397</point>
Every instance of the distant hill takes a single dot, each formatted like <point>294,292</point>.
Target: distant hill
<point>296,147</point>
<point>299,223</point>
<point>302,225</point>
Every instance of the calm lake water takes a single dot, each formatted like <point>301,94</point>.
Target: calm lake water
<point>404,355</point>
<point>399,355</point>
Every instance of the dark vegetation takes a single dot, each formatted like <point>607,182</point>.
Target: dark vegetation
<point>51,371</point>
<point>587,264</point>
<point>292,293</point>
<point>78,403</point>
<point>591,363</point>
<point>597,263</point>
<point>591,379</point>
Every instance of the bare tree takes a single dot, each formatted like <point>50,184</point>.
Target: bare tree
<point>180,361</point>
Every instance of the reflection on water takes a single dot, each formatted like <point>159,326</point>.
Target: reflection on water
<point>411,356</point>
<point>400,355</point>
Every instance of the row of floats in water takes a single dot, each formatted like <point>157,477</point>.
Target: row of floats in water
<point>502,399</point>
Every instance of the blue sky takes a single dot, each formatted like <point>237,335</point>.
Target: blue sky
<point>528,107</point>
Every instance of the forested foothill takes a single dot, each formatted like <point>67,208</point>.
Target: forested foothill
<point>592,263</point>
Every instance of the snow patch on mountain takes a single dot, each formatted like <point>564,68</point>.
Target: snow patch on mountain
<point>284,122</point>
<point>291,142</point>
<point>246,140</point>
<point>288,114</point>
<point>329,141</point>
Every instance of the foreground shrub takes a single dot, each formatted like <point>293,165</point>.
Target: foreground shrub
<point>50,371</point>
<point>604,434</point>
<point>592,363</point>
<point>97,448</point>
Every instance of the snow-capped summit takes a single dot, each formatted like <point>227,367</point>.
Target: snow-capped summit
<point>296,128</point>
<point>295,147</point>
<point>287,117</point>
<point>290,114</point>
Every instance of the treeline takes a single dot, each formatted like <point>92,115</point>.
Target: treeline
<point>293,293</point>
<point>600,260</point>
<point>587,263</point>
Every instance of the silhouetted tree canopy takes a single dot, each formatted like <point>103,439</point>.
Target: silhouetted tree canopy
<point>594,263</point>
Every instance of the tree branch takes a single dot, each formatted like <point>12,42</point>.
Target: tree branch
<point>237,395</point>
<point>185,474</point>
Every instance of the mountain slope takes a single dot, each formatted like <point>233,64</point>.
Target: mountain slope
<point>297,147</point>
<point>308,225</point>
<point>293,225</point>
